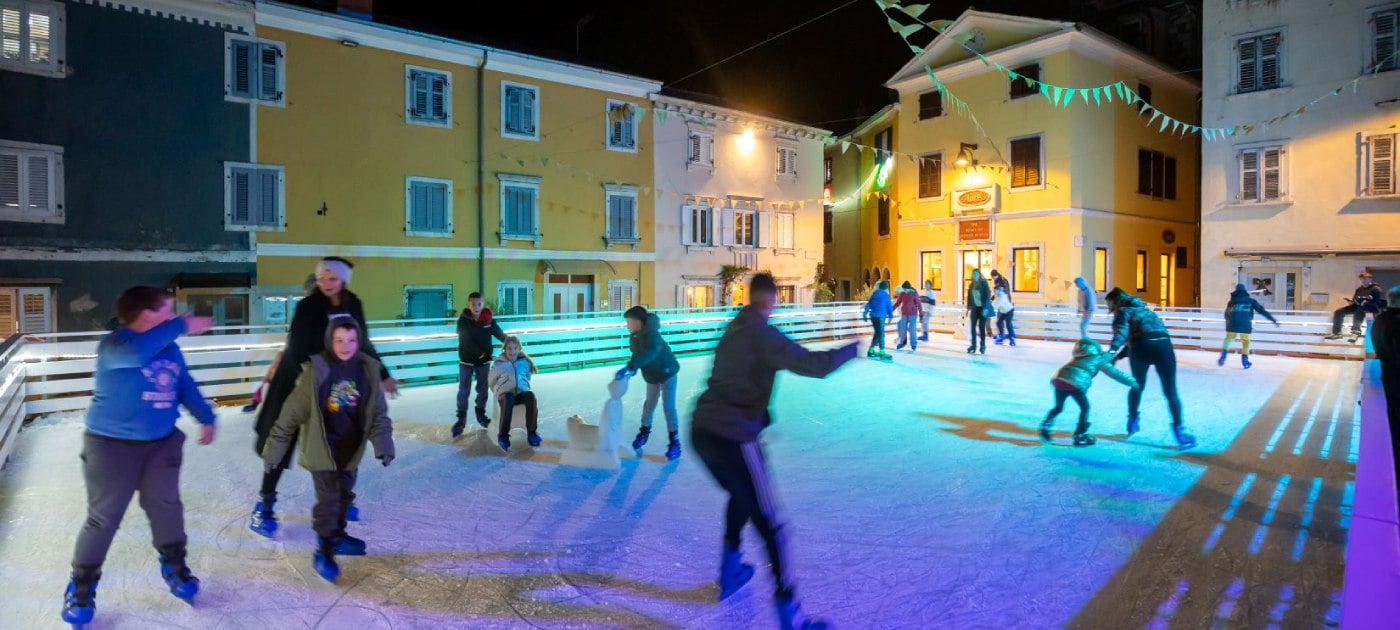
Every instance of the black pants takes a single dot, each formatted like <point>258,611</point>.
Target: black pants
<point>1004,326</point>
<point>878,340</point>
<point>114,470</point>
<point>271,479</point>
<point>532,411</point>
<point>1154,353</point>
<point>740,469</point>
<point>1390,380</point>
<point>1080,398</point>
<point>978,320</point>
<point>283,382</point>
<point>335,491</point>
<point>1358,315</point>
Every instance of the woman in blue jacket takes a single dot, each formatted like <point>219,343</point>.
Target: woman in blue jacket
<point>879,309</point>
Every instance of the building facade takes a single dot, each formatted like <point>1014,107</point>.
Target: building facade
<point>1042,193</point>
<point>1297,208</point>
<point>857,192</point>
<point>112,160</point>
<point>739,190</point>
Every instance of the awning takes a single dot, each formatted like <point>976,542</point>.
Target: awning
<point>30,282</point>
<point>210,281</point>
<point>583,267</point>
<point>1302,252</point>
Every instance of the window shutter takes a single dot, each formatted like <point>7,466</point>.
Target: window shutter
<point>40,35</point>
<point>1249,176</point>
<point>1144,172</point>
<point>629,217</point>
<point>1249,59</point>
<point>267,197</point>
<point>695,148</point>
<point>242,71</point>
<point>1383,39</point>
<point>418,91</point>
<point>1171,178</point>
<point>33,311</point>
<point>9,180</point>
<point>1382,167</point>
<point>782,160</point>
<point>9,319</point>
<point>527,114</point>
<point>9,33</point>
<point>267,69</point>
<point>765,230</point>
<point>513,110</point>
<point>689,217</point>
<point>37,181</point>
<point>1033,175</point>
<point>418,206</point>
<point>241,189</point>
<point>1268,61</point>
<point>726,229</point>
<point>438,90</point>
<point>439,197</point>
<point>1272,184</point>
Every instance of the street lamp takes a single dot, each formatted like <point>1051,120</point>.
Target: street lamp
<point>965,157</point>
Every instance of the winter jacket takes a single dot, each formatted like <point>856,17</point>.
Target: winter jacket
<point>474,335</point>
<point>879,305</point>
<point>1134,323</point>
<point>302,412</point>
<point>750,353</point>
<point>1088,302</point>
<point>1370,299</point>
<point>651,354</point>
<point>1090,359</point>
<point>1385,337</point>
<point>907,303</point>
<point>510,377</point>
<point>1001,283</point>
<point>140,382</point>
<point>1002,301</point>
<point>929,299</point>
<point>979,296</point>
<point>1239,313</point>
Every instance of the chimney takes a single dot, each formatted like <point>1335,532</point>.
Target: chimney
<point>359,9</point>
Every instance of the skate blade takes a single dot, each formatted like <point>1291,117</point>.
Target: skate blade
<point>744,577</point>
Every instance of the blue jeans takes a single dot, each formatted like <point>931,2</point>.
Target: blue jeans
<point>1004,326</point>
<point>909,329</point>
<point>464,383</point>
<point>666,393</point>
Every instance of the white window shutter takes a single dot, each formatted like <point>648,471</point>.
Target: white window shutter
<point>418,87</point>
<point>1272,167</point>
<point>9,180</point>
<point>527,100</point>
<point>438,89</point>
<point>40,35</point>
<point>267,69</point>
<point>726,230</point>
<point>688,217</point>
<point>34,307</point>
<point>765,230</point>
<point>38,182</point>
<point>1381,171</point>
<point>1383,39</point>
<point>695,148</point>
<point>1269,61</point>
<point>1248,64</point>
<point>782,161</point>
<point>10,39</point>
<point>708,157</point>
<point>1249,176</point>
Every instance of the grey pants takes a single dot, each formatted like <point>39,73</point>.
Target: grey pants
<point>114,470</point>
<point>335,491</point>
<point>667,393</point>
<point>465,374</point>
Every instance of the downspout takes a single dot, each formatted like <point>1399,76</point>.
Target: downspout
<point>481,174</point>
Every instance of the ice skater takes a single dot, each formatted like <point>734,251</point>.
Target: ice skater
<point>337,406</point>
<point>1142,336</point>
<point>652,356</point>
<point>1366,299</point>
<point>979,308</point>
<point>728,419</point>
<point>307,287</point>
<point>1006,312</point>
<point>475,329</point>
<point>132,445</point>
<point>929,299</point>
<point>510,380</point>
<point>1000,282</point>
<point>1073,381</point>
<point>879,308</point>
<point>908,305</point>
<point>1239,320</point>
<point>1088,303</point>
<point>306,337</point>
<point>1385,338</point>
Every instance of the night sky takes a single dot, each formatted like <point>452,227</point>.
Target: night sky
<point>827,73</point>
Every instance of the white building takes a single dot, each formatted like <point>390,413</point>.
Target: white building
<point>734,188</point>
<point>1300,207</point>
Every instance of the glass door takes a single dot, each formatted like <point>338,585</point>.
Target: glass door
<point>1275,290</point>
<point>975,259</point>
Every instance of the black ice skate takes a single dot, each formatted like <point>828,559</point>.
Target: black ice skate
<point>1084,439</point>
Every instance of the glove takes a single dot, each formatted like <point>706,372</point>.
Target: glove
<point>385,459</point>
<point>624,374</point>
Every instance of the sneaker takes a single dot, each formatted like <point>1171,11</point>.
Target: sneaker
<point>504,442</point>
<point>1084,439</point>
<point>534,440</point>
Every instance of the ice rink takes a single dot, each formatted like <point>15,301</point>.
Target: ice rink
<point>917,493</point>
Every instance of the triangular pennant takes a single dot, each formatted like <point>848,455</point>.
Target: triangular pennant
<point>917,50</point>
<point>1013,74</point>
<point>1084,94</point>
<point>845,145</point>
<point>544,160</point>
<point>1121,91</point>
<point>1055,92</point>
<point>1165,119</point>
<point>1230,131</point>
<point>661,116</point>
<point>1098,96</point>
<point>521,163</point>
<point>940,25</point>
<point>1176,124</point>
<point>1045,91</point>
<point>1301,110</point>
<point>1069,96</point>
<point>914,10</point>
<point>963,38</point>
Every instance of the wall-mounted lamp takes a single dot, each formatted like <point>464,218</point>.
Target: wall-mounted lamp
<point>746,141</point>
<point>965,157</point>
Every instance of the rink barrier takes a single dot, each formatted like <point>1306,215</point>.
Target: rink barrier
<point>229,362</point>
<point>1371,580</point>
<point>11,395</point>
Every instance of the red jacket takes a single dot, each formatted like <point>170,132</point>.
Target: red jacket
<point>907,303</point>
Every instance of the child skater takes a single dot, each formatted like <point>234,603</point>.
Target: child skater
<point>1073,381</point>
<point>475,329</point>
<point>725,428</point>
<point>132,445</point>
<point>879,308</point>
<point>929,300</point>
<point>1239,320</point>
<point>652,356</point>
<point>337,405</point>
<point>510,379</point>
<point>909,306</point>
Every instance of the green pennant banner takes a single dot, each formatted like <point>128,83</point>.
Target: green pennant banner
<point>1084,94</point>
<point>1098,100</point>
<point>940,25</point>
<point>1055,92</point>
<point>914,10</point>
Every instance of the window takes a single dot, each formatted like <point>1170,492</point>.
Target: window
<point>826,170</point>
<point>785,224</point>
<point>622,294</point>
<point>882,217</point>
<point>1025,162</point>
<point>696,225</point>
<point>1024,86</point>
<point>746,228</point>
<point>828,222</point>
<point>428,206</point>
<point>930,105</point>
<point>255,70</point>
<point>787,294</point>
<point>520,211</point>
<point>931,176</point>
<point>787,161</point>
<point>1259,62</point>
<point>1141,276</point>
<point>31,182</point>
<point>884,142</point>
<point>253,197</point>
<point>31,36</point>
<point>514,297</point>
<point>701,150</point>
<point>622,213</point>
<point>1144,92</point>
<point>1156,174</point>
<point>427,97</point>
<point>1261,174</point>
<point>1181,257</point>
<point>520,112</point>
<point>1101,272</point>
<point>1383,40</point>
<point>1165,281</point>
<point>699,296</point>
<point>622,126</point>
<point>1379,166</point>
<point>975,259</point>
<point>25,310</point>
<point>1025,269</point>
<point>427,302</point>
<point>931,269</point>
<point>226,309</point>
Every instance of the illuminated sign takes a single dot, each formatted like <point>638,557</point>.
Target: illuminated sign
<point>982,199</point>
<point>882,174</point>
<point>975,230</point>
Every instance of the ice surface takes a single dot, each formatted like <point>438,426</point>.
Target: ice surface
<point>916,492</point>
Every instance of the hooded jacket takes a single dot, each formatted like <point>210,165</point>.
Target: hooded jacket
<point>651,354</point>
<point>979,296</point>
<point>750,353</point>
<point>1239,312</point>
<point>1090,359</point>
<point>510,377</point>
<point>302,412</point>
<point>907,302</point>
<point>140,382</point>
<point>474,335</point>
<point>879,305</point>
<point>1133,323</point>
<point>1370,298</point>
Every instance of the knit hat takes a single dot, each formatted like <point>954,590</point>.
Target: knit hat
<point>338,266</point>
<point>1240,287</point>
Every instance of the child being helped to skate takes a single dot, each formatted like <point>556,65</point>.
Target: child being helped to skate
<point>510,379</point>
<point>338,405</point>
<point>1073,381</point>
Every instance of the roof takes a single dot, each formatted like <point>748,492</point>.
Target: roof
<point>878,118</point>
<point>720,109</point>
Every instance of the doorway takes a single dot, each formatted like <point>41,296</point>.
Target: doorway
<point>1275,290</point>
<point>568,293</point>
<point>974,259</point>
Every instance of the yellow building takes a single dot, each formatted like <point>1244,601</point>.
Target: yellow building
<point>441,168</point>
<point>856,190</point>
<point>1048,193</point>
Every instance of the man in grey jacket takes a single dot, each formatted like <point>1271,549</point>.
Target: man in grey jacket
<point>728,419</point>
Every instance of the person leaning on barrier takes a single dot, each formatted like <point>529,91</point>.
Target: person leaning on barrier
<point>1385,338</point>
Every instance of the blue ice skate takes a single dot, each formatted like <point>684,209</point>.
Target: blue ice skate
<point>1134,425</point>
<point>733,573</point>
<point>325,566</point>
<point>176,573</point>
<point>534,440</point>
<point>264,520</point>
<point>673,450</point>
<point>352,514</point>
<point>1244,360</point>
<point>80,599</point>
<point>348,545</point>
<point>641,440</point>
<point>790,616</point>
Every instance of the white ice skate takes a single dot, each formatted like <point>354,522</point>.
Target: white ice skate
<point>595,445</point>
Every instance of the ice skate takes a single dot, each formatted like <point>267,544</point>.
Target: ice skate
<point>900,346</point>
<point>1084,439</point>
<point>983,350</point>
<point>1011,342</point>
<point>503,441</point>
<point>733,573</point>
<point>534,440</point>
<point>1244,360</point>
<point>1223,355</point>
<point>673,450</point>
<point>481,418</point>
<point>1045,433</point>
<point>923,337</point>
<point>176,574</point>
<point>323,562</point>
<point>790,616</point>
<point>1183,439</point>
<point>458,426</point>
<point>645,432</point>
<point>1134,424</point>
<point>353,513</point>
<point>999,339</point>
<point>348,545</point>
<point>972,349</point>
<point>80,599</point>
<point>1333,337</point>
<point>264,520</point>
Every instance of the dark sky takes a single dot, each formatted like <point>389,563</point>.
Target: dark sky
<point>827,73</point>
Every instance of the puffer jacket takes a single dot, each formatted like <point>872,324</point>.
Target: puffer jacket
<point>510,377</point>
<point>879,305</point>
<point>1239,313</point>
<point>1090,359</point>
<point>1003,302</point>
<point>1133,323</point>
<point>908,302</point>
<point>651,354</point>
<point>302,411</point>
<point>474,336</point>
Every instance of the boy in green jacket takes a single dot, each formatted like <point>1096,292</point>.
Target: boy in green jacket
<point>1073,381</point>
<point>338,407</point>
